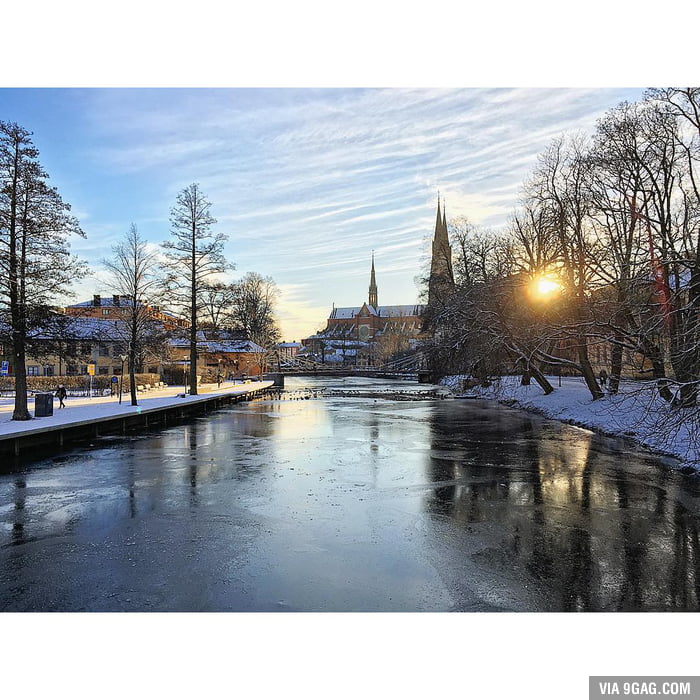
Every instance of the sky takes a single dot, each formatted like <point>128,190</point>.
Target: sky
<point>305,183</point>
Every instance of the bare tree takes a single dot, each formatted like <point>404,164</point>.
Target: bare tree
<point>218,299</point>
<point>561,186</point>
<point>253,309</point>
<point>134,270</point>
<point>673,127</point>
<point>623,263</point>
<point>193,257</point>
<point>35,259</point>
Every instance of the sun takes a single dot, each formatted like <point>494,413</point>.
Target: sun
<point>546,286</point>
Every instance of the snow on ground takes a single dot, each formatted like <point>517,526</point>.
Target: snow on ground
<point>636,412</point>
<point>83,409</point>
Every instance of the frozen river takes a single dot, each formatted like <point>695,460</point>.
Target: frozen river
<point>360,504</point>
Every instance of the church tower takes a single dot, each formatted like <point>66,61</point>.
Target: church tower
<point>441,282</point>
<point>373,288</point>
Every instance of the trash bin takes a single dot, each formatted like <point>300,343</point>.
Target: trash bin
<point>43,405</point>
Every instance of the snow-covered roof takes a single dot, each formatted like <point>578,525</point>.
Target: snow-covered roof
<point>115,302</point>
<point>347,312</point>
<point>401,310</point>
<point>86,328</point>
<point>107,302</point>
<point>222,346</point>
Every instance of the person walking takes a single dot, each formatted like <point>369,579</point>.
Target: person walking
<point>61,394</point>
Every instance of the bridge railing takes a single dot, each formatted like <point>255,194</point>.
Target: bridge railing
<point>409,364</point>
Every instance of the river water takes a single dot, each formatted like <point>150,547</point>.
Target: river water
<point>351,504</point>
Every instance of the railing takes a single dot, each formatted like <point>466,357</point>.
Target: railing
<point>408,365</point>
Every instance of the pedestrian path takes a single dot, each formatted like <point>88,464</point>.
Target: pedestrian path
<point>83,410</point>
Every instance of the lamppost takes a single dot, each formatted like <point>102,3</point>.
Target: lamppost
<point>218,374</point>
<point>123,358</point>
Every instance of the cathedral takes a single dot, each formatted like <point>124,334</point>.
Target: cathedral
<point>441,282</point>
<point>371,334</point>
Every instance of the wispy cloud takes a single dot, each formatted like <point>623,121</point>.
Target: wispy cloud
<point>308,182</point>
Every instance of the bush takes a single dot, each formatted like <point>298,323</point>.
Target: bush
<point>76,384</point>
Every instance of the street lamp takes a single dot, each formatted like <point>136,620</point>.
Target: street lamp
<point>218,374</point>
<point>123,358</point>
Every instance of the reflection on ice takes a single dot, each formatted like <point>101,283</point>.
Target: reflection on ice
<point>340,504</point>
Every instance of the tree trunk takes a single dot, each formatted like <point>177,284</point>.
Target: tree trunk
<point>132,379</point>
<point>17,310</point>
<point>541,380</point>
<point>615,366</point>
<point>193,316</point>
<point>587,370</point>
<point>653,352</point>
<point>688,395</point>
<point>21,411</point>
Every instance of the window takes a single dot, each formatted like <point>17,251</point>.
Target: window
<point>49,370</point>
<point>85,349</point>
<point>118,349</point>
<point>103,370</point>
<point>72,370</point>
<point>103,350</point>
<point>105,312</point>
<point>71,349</point>
<point>33,370</point>
<point>83,369</point>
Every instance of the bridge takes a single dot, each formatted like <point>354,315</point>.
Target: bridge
<point>407,367</point>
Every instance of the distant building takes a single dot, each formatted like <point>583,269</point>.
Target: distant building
<point>113,307</point>
<point>288,351</point>
<point>441,283</point>
<point>368,334</point>
<point>71,343</point>
<point>217,353</point>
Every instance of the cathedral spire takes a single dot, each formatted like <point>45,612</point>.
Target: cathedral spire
<point>373,287</point>
<point>441,282</point>
<point>438,220</point>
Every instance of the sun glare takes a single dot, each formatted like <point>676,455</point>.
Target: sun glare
<point>546,286</point>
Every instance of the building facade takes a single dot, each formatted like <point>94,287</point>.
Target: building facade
<point>367,335</point>
<point>113,307</point>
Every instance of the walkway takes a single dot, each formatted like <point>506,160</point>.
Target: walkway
<point>96,411</point>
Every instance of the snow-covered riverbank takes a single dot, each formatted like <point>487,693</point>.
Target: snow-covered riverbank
<point>636,412</point>
<point>80,410</point>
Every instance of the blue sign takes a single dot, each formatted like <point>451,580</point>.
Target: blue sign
<point>115,380</point>
<point>5,368</point>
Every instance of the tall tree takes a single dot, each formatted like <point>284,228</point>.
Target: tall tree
<point>676,217</point>
<point>254,309</point>
<point>35,259</point>
<point>193,256</point>
<point>561,185</point>
<point>217,302</point>
<point>134,270</point>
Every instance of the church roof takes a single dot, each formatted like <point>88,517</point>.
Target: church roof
<point>401,310</point>
<point>347,312</point>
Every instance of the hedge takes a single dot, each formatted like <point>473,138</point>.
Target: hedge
<point>76,383</point>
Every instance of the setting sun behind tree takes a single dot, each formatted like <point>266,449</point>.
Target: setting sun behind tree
<point>545,287</point>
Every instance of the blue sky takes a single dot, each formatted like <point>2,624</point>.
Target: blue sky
<point>305,182</point>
